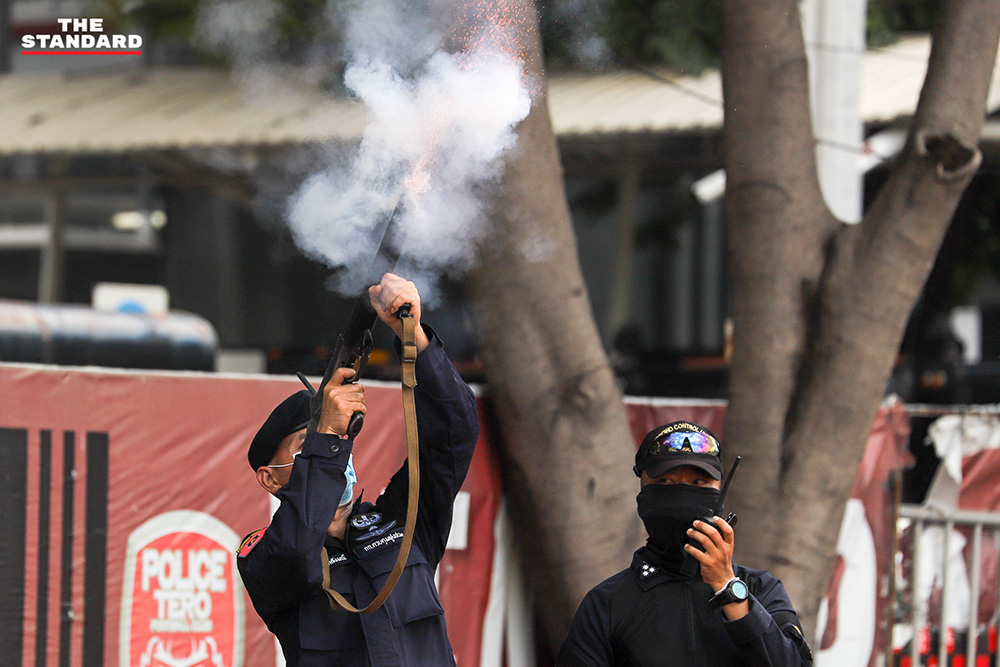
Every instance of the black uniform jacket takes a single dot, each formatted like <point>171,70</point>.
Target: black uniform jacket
<point>280,565</point>
<point>644,617</point>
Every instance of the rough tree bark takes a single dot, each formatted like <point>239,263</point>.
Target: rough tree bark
<point>566,441</point>
<point>819,307</point>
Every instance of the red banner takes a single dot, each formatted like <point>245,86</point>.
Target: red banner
<point>123,491</point>
<point>126,495</point>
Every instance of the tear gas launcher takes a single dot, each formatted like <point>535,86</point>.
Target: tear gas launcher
<point>354,344</point>
<point>353,347</point>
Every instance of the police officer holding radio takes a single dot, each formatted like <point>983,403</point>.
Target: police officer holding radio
<point>313,478</point>
<point>682,601</point>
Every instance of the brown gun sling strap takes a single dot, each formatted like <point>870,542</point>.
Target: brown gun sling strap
<point>337,600</point>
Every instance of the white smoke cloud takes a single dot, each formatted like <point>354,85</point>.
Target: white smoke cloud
<point>442,120</point>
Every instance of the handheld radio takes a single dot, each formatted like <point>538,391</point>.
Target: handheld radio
<point>690,565</point>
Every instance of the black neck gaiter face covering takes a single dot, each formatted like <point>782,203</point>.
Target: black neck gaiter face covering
<point>667,511</point>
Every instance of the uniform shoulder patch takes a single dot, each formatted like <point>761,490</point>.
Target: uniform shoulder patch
<point>249,542</point>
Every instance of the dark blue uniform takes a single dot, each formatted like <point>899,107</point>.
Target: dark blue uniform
<point>281,567</point>
<point>643,616</point>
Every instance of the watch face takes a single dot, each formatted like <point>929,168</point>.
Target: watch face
<point>739,590</point>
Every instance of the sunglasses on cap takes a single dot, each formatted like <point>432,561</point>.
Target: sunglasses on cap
<point>685,441</point>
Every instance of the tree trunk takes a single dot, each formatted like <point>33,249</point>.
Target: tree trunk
<point>567,445</point>
<point>820,307</point>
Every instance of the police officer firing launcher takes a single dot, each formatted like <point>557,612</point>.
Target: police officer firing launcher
<point>312,475</point>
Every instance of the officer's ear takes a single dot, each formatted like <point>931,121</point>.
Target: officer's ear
<point>267,480</point>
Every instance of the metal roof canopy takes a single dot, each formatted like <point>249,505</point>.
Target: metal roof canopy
<point>172,108</point>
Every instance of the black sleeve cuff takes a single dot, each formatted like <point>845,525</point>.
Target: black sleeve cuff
<point>327,446</point>
<point>751,626</point>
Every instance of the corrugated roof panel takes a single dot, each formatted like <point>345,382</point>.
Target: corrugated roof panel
<point>633,102</point>
<point>891,79</point>
<point>158,108</point>
<point>176,108</point>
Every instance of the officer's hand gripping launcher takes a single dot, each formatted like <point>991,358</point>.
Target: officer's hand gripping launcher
<point>354,344</point>
<point>690,564</point>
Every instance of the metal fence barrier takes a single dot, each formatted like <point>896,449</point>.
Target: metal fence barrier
<point>942,646</point>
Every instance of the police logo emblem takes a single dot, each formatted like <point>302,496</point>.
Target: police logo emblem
<point>365,520</point>
<point>376,531</point>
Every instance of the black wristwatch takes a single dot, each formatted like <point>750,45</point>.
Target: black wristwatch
<point>735,591</point>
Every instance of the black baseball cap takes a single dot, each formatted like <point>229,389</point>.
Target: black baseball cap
<point>291,415</point>
<point>679,444</point>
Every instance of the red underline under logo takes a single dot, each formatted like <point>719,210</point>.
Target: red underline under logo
<point>79,52</point>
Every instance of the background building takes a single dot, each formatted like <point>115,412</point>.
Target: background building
<point>151,169</point>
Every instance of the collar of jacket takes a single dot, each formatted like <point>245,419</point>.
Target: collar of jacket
<point>649,574</point>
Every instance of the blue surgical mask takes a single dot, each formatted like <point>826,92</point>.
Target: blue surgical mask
<point>352,477</point>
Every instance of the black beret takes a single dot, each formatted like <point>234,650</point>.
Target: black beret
<point>291,415</point>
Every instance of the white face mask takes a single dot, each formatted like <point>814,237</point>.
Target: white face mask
<point>352,477</point>
<point>350,474</point>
